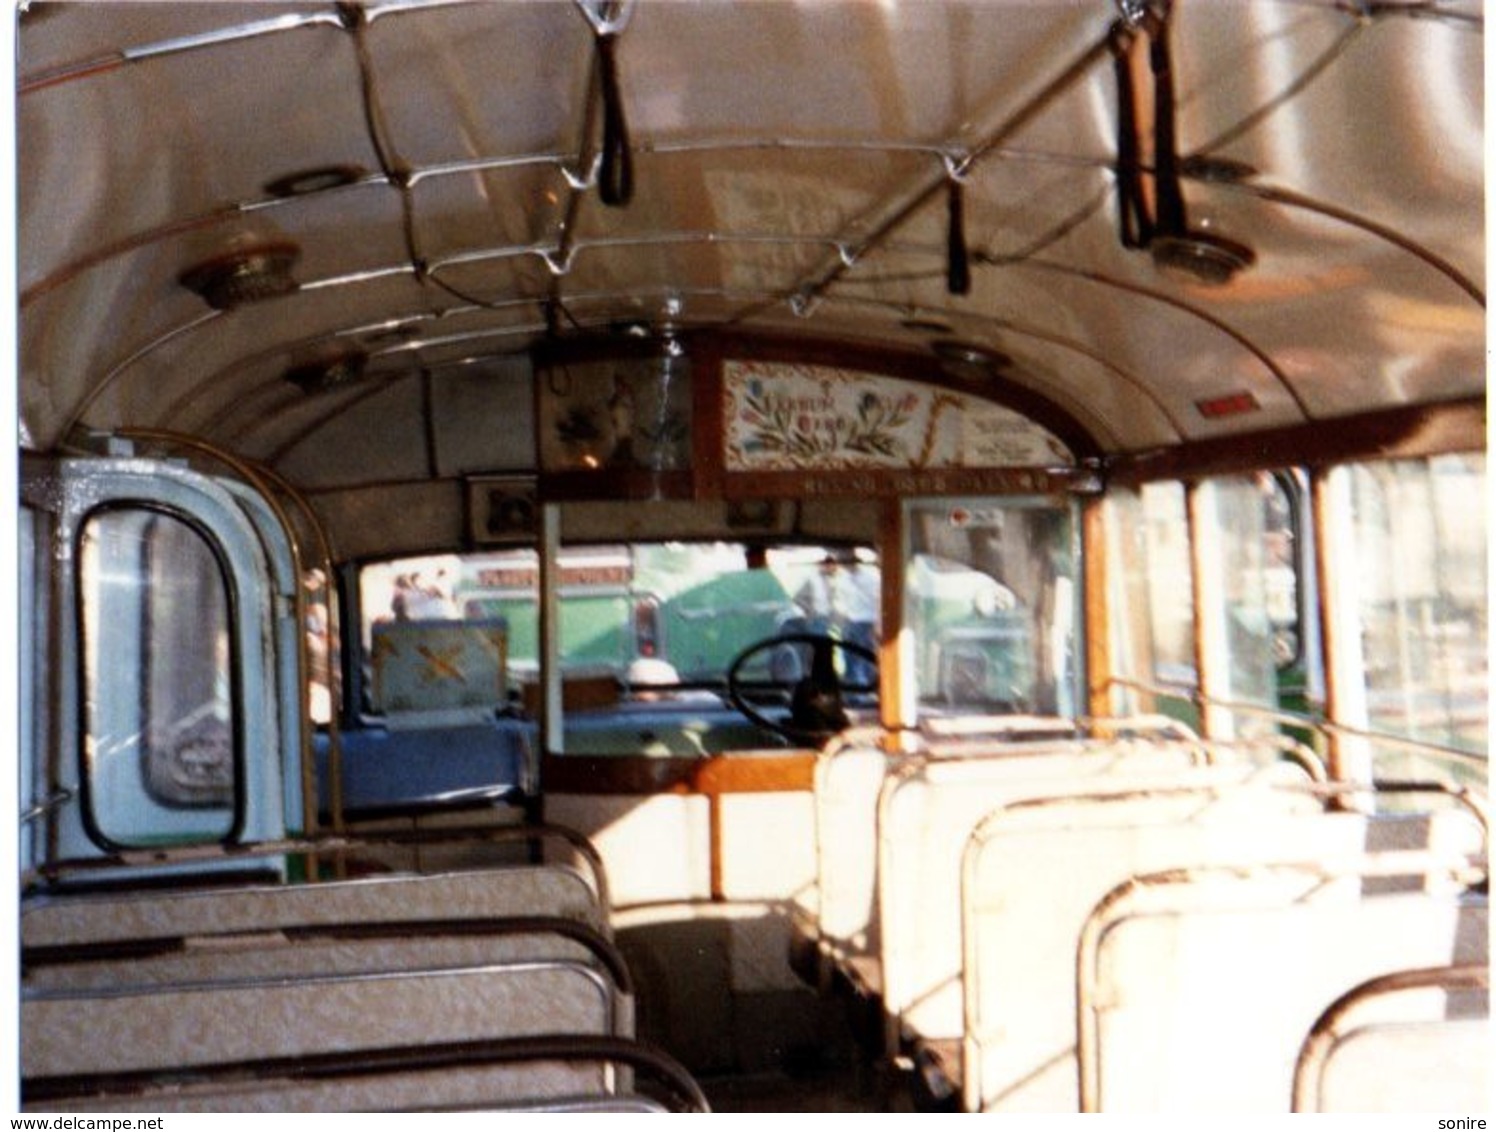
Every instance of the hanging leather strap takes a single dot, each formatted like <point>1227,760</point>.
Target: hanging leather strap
<point>1136,224</point>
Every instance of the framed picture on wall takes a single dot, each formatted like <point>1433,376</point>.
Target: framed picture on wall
<point>501,510</point>
<point>620,414</point>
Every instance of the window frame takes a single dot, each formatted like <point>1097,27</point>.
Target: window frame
<point>88,813</point>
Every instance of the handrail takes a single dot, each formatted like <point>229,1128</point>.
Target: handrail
<point>909,773</point>
<point>256,479</point>
<point>53,801</point>
<point>591,939</point>
<point>1322,1038</point>
<point>992,825</point>
<point>1111,910</point>
<point>331,643</point>
<point>1325,727</point>
<point>38,877</point>
<point>1473,800</point>
<point>418,1059</point>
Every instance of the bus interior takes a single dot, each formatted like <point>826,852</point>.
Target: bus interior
<point>638,556</point>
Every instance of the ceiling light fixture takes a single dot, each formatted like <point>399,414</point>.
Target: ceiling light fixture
<point>1188,254</point>
<point>331,371</point>
<point>246,273</point>
<point>306,181</point>
<point>1201,257</point>
<point>970,359</point>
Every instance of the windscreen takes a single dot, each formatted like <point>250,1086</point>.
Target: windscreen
<point>646,618</point>
<point>990,599</point>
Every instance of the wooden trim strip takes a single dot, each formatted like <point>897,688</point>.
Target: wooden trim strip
<point>1097,620</point>
<point>900,483</point>
<point>1422,430</point>
<point>712,776</point>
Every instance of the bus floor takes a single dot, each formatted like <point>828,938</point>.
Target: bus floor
<point>836,1070</point>
<point>857,1087</point>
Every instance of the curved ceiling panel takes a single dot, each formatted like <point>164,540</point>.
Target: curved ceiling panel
<point>62,39</point>
<point>420,185</point>
<point>1365,116</point>
<point>507,87</point>
<point>179,136</point>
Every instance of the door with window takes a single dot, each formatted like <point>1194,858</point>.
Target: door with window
<point>170,726</point>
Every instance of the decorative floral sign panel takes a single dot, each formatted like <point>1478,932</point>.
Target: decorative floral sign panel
<point>782,416</point>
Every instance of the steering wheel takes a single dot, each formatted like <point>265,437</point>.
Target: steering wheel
<point>815,698</point>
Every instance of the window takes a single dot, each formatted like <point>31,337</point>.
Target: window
<point>321,645</point>
<point>1416,590</point>
<point>1170,583</point>
<point>1251,630</point>
<point>160,735</point>
<point>647,626</point>
<point>991,600</point>
<point>34,666</point>
<point>1151,601</point>
<point>444,596</point>
<point>1245,544</point>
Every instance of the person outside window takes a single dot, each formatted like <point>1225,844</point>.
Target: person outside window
<point>822,600</point>
<point>861,598</point>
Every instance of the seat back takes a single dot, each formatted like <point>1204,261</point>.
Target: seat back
<point>847,781</point>
<point>1432,1024</point>
<point>524,890</point>
<point>243,988</point>
<point>926,813</point>
<point>1032,875</point>
<point>179,1026</point>
<point>1195,989</point>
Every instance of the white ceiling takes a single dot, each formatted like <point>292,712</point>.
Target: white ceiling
<point>791,165</point>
